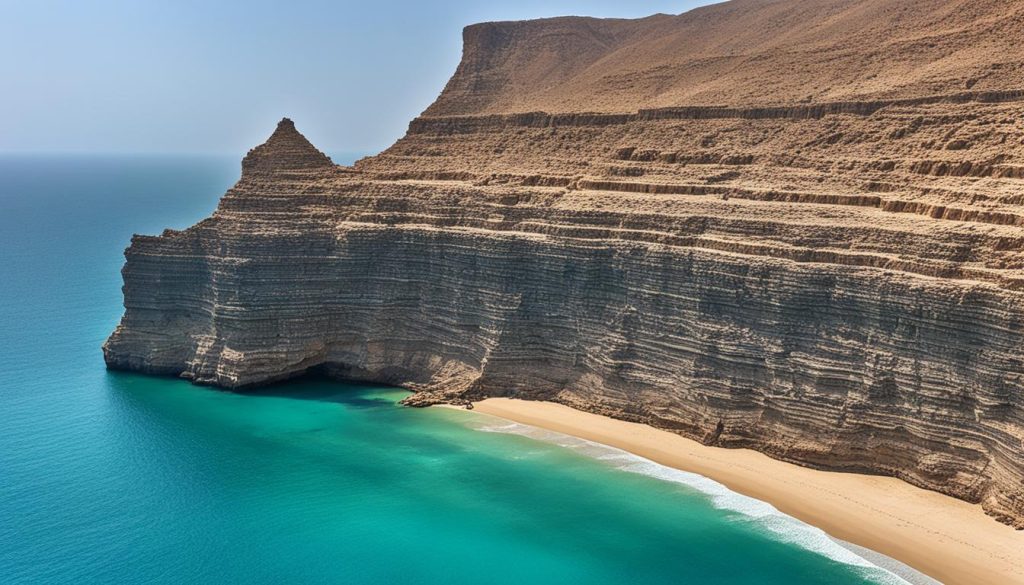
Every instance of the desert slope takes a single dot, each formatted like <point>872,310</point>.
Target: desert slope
<point>786,225</point>
<point>740,53</point>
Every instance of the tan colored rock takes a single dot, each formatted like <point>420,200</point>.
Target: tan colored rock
<point>745,224</point>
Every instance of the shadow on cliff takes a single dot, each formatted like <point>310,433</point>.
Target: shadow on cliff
<point>314,385</point>
<point>318,386</point>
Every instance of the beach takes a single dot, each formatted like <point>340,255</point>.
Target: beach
<point>945,538</point>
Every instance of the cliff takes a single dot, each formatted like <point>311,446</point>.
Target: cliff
<point>786,225</point>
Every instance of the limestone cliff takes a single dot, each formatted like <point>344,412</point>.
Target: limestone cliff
<point>787,225</point>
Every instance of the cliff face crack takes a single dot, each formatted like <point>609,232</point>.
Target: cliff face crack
<point>825,265</point>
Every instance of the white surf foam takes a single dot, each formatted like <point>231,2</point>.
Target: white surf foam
<point>766,517</point>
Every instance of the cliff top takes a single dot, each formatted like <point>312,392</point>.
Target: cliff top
<point>739,53</point>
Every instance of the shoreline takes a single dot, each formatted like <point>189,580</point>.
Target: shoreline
<point>941,537</point>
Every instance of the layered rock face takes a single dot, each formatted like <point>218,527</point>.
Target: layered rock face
<point>835,279</point>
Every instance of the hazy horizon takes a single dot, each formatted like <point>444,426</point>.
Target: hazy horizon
<point>117,77</point>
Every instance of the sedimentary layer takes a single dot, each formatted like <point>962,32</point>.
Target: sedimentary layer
<point>835,279</point>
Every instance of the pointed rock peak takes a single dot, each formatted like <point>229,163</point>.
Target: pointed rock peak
<point>286,150</point>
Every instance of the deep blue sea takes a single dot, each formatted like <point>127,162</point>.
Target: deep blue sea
<point>118,478</point>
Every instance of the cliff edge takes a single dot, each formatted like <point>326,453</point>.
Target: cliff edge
<point>790,225</point>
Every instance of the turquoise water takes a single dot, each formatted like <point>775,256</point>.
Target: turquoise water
<point>119,478</point>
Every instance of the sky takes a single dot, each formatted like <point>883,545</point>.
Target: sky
<point>209,76</point>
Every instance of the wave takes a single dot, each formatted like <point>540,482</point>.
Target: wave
<point>769,519</point>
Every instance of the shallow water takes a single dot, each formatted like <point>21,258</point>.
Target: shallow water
<point>111,477</point>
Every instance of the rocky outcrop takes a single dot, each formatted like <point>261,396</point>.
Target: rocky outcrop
<point>826,282</point>
<point>285,150</point>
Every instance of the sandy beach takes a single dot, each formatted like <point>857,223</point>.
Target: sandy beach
<point>944,538</point>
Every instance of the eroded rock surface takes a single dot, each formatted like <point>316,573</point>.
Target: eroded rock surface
<point>759,224</point>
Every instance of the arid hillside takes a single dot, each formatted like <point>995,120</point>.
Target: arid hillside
<point>740,53</point>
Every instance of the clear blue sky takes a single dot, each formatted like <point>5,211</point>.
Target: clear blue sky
<point>209,76</point>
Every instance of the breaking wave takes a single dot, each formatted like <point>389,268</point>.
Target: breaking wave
<point>766,517</point>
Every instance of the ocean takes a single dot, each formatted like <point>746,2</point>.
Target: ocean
<point>110,477</point>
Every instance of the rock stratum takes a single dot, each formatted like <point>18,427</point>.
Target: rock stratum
<point>793,226</point>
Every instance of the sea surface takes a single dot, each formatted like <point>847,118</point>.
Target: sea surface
<point>119,478</point>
